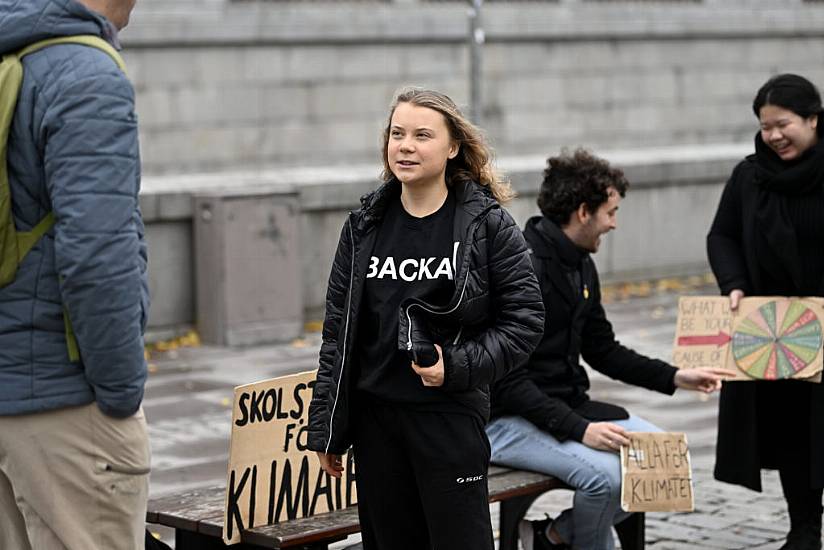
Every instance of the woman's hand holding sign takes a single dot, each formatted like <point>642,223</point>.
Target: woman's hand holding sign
<point>332,464</point>
<point>605,436</point>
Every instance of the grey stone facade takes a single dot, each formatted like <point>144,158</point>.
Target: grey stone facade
<point>227,84</point>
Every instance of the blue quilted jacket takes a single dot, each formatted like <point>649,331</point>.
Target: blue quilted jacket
<point>73,150</point>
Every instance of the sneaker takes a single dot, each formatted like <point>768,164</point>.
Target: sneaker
<point>533,535</point>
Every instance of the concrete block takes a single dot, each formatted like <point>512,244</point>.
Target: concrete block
<point>680,215</point>
<point>171,277</point>
<point>364,62</point>
<point>313,63</point>
<point>532,131</point>
<point>434,60</point>
<point>319,233</point>
<point>164,67</point>
<point>229,104</point>
<point>540,91</point>
<point>154,108</point>
<point>351,99</point>
<point>265,63</point>
<point>164,148</point>
<point>710,86</point>
<point>286,103</point>
<point>630,88</point>
<point>219,65</point>
<point>347,141</point>
<point>586,90</point>
<point>202,149</point>
<point>248,268</point>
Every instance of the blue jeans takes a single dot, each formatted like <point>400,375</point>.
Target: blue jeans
<point>595,475</point>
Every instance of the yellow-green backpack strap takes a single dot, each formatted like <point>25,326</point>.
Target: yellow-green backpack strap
<point>27,240</point>
<point>71,340</point>
<point>11,77</point>
<point>81,39</point>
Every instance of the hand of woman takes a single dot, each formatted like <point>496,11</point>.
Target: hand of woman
<point>605,436</point>
<point>705,379</point>
<point>332,464</point>
<point>735,297</point>
<point>434,375</point>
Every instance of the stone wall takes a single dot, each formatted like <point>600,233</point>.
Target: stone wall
<point>228,84</point>
<point>662,222</point>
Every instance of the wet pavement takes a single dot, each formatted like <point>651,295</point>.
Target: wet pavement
<point>188,404</point>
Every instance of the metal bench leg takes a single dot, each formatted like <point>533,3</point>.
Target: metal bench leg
<point>512,512</point>
<point>631,532</point>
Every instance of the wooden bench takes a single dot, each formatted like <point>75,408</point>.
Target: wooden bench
<point>197,517</point>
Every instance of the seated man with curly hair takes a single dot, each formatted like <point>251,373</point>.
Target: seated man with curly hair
<point>543,419</point>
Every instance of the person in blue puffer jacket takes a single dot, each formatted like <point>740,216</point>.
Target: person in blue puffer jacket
<point>74,451</point>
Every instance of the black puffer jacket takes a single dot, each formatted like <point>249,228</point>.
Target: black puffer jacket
<point>490,325</point>
<point>551,390</point>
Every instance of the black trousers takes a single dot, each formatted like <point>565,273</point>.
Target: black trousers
<point>786,446</point>
<point>421,479</point>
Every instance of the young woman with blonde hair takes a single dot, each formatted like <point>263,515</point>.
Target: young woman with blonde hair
<point>431,298</point>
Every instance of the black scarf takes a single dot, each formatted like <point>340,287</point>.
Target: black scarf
<point>776,245</point>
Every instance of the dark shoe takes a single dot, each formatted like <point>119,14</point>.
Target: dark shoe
<point>803,538</point>
<point>533,535</point>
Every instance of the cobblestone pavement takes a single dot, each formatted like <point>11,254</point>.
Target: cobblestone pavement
<point>188,399</point>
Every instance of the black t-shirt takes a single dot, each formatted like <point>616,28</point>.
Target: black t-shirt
<point>412,258</point>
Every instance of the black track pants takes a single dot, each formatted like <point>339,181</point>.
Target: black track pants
<point>421,479</point>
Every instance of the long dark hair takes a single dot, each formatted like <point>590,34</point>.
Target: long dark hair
<point>789,91</point>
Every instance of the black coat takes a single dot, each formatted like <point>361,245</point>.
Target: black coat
<point>551,391</point>
<point>732,248</point>
<point>489,327</point>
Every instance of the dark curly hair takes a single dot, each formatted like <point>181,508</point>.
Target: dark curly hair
<point>573,179</point>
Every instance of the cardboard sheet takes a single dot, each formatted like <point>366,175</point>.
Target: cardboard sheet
<point>767,338</point>
<point>272,475</point>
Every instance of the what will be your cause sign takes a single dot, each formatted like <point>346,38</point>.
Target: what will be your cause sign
<point>272,475</point>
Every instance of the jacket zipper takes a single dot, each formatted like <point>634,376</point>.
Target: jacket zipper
<point>345,333</point>
<point>460,298</point>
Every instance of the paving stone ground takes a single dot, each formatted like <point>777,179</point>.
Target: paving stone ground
<point>188,400</point>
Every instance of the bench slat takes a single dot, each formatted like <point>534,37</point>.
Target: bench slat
<point>302,531</point>
<point>187,510</point>
<point>515,483</point>
<point>201,511</point>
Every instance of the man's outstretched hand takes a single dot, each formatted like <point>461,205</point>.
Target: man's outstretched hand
<point>704,379</point>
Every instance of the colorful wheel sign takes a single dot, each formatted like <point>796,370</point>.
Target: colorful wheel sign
<point>777,340</point>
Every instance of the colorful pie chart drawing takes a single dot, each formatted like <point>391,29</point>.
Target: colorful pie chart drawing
<point>777,340</point>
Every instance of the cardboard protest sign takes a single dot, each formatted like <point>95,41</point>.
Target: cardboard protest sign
<point>656,474</point>
<point>766,338</point>
<point>272,475</point>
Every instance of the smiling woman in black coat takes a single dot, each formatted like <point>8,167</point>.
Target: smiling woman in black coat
<point>767,240</point>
